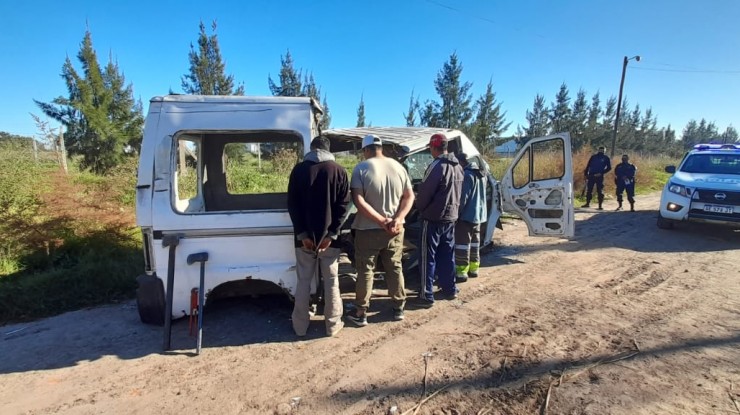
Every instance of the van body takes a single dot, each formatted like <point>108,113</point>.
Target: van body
<point>190,184</point>
<point>213,174</point>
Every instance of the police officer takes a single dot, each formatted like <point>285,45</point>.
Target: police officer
<point>624,178</point>
<point>598,165</point>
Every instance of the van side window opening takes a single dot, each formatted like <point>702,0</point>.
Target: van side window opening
<point>234,171</point>
<point>187,182</point>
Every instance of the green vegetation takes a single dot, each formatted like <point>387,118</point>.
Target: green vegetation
<point>66,241</point>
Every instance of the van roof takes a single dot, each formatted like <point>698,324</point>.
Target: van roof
<point>410,139</point>
<point>231,99</point>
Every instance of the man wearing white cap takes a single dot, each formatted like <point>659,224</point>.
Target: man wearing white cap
<point>381,191</point>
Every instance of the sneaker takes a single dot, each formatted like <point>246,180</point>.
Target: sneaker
<point>599,208</point>
<point>618,208</point>
<point>461,278</point>
<point>336,329</point>
<point>586,205</point>
<point>418,303</point>
<point>447,296</point>
<point>398,314</point>
<point>357,320</point>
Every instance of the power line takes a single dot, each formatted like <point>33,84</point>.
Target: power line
<point>641,68</point>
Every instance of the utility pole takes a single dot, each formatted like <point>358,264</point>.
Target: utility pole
<point>619,102</point>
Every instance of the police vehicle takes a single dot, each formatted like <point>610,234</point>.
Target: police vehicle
<point>705,187</point>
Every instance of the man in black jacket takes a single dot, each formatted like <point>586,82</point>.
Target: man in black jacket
<point>438,202</point>
<point>624,178</point>
<point>598,165</point>
<point>318,199</point>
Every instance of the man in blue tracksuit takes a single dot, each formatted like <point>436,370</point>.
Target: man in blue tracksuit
<point>624,178</point>
<point>598,165</point>
<point>438,202</point>
<point>473,212</point>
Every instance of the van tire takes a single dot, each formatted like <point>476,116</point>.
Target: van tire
<point>150,300</point>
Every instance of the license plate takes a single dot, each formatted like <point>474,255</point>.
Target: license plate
<point>718,209</point>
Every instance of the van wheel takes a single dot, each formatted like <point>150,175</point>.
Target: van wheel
<point>664,223</point>
<point>150,300</point>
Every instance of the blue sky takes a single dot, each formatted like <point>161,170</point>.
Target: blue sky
<point>690,67</point>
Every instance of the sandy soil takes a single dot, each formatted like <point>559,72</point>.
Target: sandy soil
<point>623,319</point>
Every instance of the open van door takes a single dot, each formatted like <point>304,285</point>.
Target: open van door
<point>538,186</point>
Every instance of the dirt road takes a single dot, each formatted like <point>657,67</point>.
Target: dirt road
<point>623,319</point>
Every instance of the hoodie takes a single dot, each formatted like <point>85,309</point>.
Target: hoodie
<point>438,199</point>
<point>318,198</point>
<point>473,201</point>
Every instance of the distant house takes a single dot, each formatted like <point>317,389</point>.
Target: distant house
<point>506,149</point>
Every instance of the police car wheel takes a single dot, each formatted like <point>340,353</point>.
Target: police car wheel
<point>664,223</point>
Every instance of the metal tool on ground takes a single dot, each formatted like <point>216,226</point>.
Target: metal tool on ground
<point>193,311</point>
<point>201,257</point>
<point>171,241</point>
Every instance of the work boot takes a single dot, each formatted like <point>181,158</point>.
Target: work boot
<point>632,206</point>
<point>461,273</point>
<point>619,207</point>
<point>473,272</point>
<point>600,208</point>
<point>588,203</point>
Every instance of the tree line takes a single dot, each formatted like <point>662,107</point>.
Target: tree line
<point>103,122</point>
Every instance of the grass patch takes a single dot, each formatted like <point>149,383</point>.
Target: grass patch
<point>85,271</point>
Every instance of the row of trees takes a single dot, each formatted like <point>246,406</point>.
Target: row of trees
<point>589,122</point>
<point>104,122</point>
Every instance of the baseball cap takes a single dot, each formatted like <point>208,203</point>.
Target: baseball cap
<point>371,140</point>
<point>437,140</point>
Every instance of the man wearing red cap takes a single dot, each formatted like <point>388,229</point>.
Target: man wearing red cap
<point>438,202</point>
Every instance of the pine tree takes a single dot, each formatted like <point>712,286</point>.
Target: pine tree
<point>290,79</point>
<point>490,121</point>
<point>560,110</point>
<point>361,112</point>
<point>207,70</point>
<point>730,135</point>
<point>429,115</point>
<point>697,133</point>
<point>538,119</point>
<point>578,120</point>
<point>607,123</point>
<point>593,129</point>
<point>454,111</point>
<point>311,90</point>
<point>414,106</point>
<point>325,122</point>
<point>103,121</point>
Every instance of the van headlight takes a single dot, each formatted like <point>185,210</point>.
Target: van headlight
<point>677,189</point>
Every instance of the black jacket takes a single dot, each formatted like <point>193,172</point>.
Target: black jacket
<point>438,199</point>
<point>599,163</point>
<point>318,198</point>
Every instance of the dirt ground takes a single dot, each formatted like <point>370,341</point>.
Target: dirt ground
<point>623,319</point>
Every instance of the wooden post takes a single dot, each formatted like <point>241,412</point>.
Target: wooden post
<point>62,149</point>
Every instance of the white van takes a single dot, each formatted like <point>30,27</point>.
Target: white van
<point>213,177</point>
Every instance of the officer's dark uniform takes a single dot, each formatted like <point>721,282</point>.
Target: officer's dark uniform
<point>624,178</point>
<point>598,165</point>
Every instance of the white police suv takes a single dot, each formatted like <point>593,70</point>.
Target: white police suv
<point>704,188</point>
